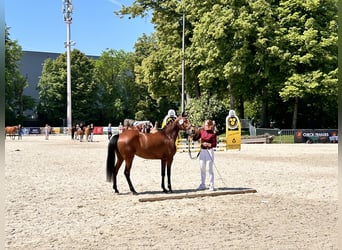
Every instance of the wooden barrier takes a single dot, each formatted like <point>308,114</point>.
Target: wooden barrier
<point>199,194</point>
<point>183,145</point>
<point>254,140</point>
<point>258,139</point>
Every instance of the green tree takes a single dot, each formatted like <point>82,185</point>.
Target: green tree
<point>114,74</point>
<point>15,101</point>
<point>155,102</point>
<point>307,40</point>
<point>264,52</point>
<point>206,107</point>
<point>159,66</point>
<point>52,90</point>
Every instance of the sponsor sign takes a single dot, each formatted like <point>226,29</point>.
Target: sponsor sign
<point>34,131</point>
<point>233,131</point>
<point>98,130</point>
<point>315,135</point>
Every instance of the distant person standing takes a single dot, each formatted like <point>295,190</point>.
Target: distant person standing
<point>120,128</point>
<point>171,115</point>
<point>73,129</point>
<point>20,132</point>
<point>110,132</point>
<point>47,131</point>
<point>91,132</point>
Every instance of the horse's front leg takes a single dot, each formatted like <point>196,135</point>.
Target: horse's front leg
<point>163,164</point>
<point>169,176</point>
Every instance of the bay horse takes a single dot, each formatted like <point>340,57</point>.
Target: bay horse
<point>11,131</point>
<point>160,145</point>
<point>79,134</point>
<point>142,126</point>
<point>87,133</point>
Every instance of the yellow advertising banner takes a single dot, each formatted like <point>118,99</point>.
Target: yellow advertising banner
<point>233,131</point>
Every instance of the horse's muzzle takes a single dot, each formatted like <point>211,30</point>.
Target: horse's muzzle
<point>190,130</point>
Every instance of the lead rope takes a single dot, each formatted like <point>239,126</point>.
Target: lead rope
<point>189,151</point>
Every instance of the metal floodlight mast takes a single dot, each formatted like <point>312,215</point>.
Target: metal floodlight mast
<point>67,11</point>
<point>183,48</point>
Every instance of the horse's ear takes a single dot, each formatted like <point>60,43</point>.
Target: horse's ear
<point>184,114</point>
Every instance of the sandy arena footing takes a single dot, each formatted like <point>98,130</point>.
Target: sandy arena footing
<point>58,198</point>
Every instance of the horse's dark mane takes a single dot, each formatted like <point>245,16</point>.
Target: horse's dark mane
<point>169,122</point>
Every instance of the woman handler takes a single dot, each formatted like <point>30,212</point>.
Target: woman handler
<point>206,156</point>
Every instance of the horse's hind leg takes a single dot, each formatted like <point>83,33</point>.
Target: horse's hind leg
<point>128,173</point>
<point>169,164</point>
<point>116,170</point>
<point>163,164</point>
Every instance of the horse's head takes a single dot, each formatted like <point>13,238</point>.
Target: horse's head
<point>183,123</point>
<point>194,132</point>
<point>190,130</point>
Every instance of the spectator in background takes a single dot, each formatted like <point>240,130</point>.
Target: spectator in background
<point>171,115</point>
<point>73,129</point>
<point>120,128</point>
<point>91,127</point>
<point>20,132</point>
<point>47,131</point>
<point>110,132</point>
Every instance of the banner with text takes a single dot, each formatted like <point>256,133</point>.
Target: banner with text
<point>316,135</point>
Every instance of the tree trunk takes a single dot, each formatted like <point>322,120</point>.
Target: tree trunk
<point>241,108</point>
<point>232,102</point>
<point>232,99</point>
<point>295,113</point>
<point>264,115</point>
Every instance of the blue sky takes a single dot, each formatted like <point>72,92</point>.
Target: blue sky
<point>38,25</point>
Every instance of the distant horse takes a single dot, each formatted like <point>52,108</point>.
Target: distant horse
<point>160,145</point>
<point>155,128</point>
<point>86,130</point>
<point>79,134</point>
<point>142,126</point>
<point>11,131</point>
<point>87,133</point>
<point>128,123</point>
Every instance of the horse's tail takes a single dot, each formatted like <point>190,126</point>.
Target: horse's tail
<point>112,147</point>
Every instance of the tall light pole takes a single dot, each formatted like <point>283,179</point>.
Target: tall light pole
<point>183,50</point>
<point>67,11</point>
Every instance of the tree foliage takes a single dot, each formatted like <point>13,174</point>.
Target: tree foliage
<point>279,54</point>
<point>114,73</point>
<point>271,60</point>
<point>53,89</point>
<point>15,83</point>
